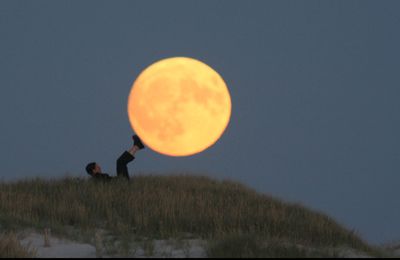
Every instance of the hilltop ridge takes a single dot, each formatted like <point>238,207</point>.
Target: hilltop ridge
<point>234,219</point>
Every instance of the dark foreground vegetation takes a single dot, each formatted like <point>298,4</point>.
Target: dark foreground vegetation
<point>237,221</point>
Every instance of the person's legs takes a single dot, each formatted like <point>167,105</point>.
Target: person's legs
<point>123,160</point>
<point>127,157</point>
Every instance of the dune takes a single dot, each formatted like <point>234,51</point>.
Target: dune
<point>169,216</point>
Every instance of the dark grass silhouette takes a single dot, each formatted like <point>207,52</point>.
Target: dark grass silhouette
<point>169,206</point>
<point>10,247</point>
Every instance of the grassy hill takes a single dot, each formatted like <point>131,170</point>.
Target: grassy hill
<point>236,220</point>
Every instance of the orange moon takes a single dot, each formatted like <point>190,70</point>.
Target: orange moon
<point>179,106</point>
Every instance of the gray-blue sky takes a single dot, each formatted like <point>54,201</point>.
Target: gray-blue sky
<point>314,85</point>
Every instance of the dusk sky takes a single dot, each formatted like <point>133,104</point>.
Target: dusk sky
<point>315,88</point>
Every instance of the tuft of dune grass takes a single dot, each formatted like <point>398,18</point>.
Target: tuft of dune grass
<point>10,247</point>
<point>168,206</point>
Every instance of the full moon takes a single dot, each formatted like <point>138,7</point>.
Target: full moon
<point>179,106</point>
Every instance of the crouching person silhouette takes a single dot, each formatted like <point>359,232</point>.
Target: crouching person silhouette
<point>94,170</point>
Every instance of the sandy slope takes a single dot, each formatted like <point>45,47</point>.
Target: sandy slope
<point>193,248</point>
<point>63,248</point>
<point>58,247</point>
